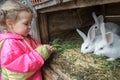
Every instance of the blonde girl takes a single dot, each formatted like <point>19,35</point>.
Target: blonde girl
<point>21,56</point>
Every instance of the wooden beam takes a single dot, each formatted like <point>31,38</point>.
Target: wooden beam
<point>76,4</point>
<point>34,29</point>
<point>49,3</point>
<point>43,28</point>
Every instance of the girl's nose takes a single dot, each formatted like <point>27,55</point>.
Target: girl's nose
<point>29,27</point>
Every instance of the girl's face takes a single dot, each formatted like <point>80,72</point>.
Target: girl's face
<point>23,24</point>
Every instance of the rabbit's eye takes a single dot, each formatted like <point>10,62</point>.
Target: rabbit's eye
<point>86,47</point>
<point>95,27</point>
<point>101,48</point>
<point>111,45</point>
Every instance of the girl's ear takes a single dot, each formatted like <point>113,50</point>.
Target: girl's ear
<point>9,23</point>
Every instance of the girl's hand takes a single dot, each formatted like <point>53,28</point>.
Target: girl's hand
<point>50,48</point>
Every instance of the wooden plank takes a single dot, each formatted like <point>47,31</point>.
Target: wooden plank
<point>49,3</point>
<point>115,19</point>
<point>77,4</point>
<point>34,2</point>
<point>49,74</point>
<point>52,72</point>
<point>43,28</point>
<point>60,73</point>
<point>112,9</point>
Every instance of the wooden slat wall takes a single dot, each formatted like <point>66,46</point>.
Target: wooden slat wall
<point>57,23</point>
<point>61,22</point>
<point>112,12</point>
<point>43,28</point>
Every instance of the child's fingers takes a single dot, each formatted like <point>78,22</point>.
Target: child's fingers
<point>53,49</point>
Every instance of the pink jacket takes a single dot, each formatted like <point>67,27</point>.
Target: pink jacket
<point>17,57</point>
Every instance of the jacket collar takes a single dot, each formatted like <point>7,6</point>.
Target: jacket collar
<point>10,36</point>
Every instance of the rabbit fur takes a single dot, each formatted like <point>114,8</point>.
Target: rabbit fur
<point>109,26</point>
<point>88,41</point>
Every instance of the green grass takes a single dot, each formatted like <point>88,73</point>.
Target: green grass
<point>67,42</point>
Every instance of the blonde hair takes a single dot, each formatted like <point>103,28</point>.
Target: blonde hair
<point>10,9</point>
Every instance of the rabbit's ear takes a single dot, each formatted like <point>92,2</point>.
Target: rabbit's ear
<point>81,34</point>
<point>109,38</point>
<point>91,34</point>
<point>95,17</point>
<point>102,29</point>
<point>100,19</point>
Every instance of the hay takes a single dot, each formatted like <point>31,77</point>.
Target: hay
<point>78,66</point>
<point>86,67</point>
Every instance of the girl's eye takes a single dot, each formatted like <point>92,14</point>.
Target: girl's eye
<point>26,24</point>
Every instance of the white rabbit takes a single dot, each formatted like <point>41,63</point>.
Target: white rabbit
<point>109,45</point>
<point>88,41</point>
<point>109,26</point>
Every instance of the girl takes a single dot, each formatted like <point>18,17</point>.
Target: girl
<point>21,56</point>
